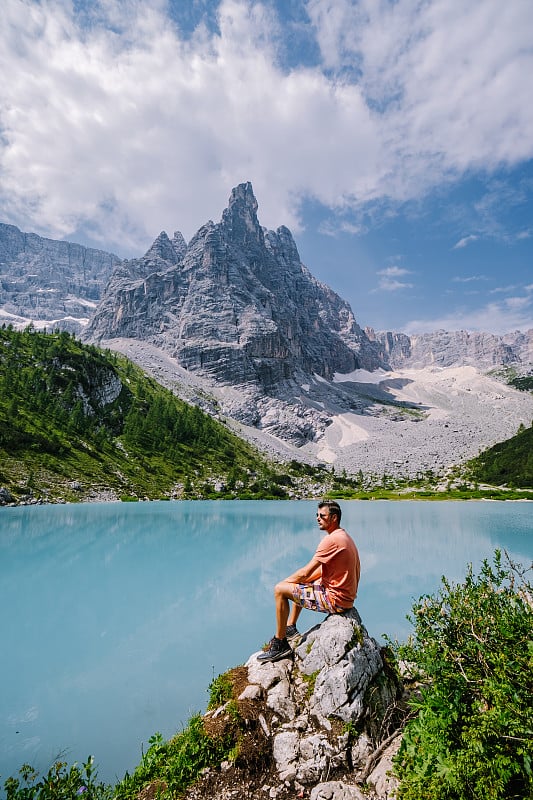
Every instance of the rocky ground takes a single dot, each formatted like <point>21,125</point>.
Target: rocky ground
<point>408,421</point>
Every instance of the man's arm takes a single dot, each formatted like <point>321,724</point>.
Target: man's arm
<point>311,572</point>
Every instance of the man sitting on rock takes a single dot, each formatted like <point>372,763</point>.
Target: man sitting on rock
<point>328,583</point>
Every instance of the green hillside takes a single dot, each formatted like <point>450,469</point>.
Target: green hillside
<point>76,421</point>
<point>508,463</point>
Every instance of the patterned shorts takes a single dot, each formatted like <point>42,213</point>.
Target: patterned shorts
<point>316,597</point>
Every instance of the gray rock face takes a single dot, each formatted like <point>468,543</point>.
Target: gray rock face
<point>336,790</point>
<point>5,496</point>
<point>454,348</point>
<point>347,660</point>
<point>58,284</point>
<point>236,305</point>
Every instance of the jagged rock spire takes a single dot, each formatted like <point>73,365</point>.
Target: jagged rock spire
<point>179,244</point>
<point>171,251</point>
<point>239,219</point>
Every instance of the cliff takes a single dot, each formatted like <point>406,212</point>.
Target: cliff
<point>236,306</point>
<point>454,348</point>
<point>57,284</point>
<point>234,322</point>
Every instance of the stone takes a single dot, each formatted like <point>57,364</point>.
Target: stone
<point>381,777</point>
<point>252,692</point>
<point>336,790</point>
<point>5,496</point>
<point>279,700</point>
<point>346,660</point>
<point>269,674</point>
<point>285,750</point>
<point>313,697</point>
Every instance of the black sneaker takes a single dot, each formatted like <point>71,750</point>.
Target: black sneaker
<point>292,632</point>
<point>278,649</point>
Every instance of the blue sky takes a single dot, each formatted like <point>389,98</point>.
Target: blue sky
<point>395,139</point>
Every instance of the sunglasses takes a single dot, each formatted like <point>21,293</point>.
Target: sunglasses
<point>322,516</point>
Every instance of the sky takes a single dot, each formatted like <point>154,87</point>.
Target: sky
<point>394,139</point>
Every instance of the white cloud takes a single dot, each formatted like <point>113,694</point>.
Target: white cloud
<point>465,241</point>
<point>332,227</point>
<point>125,134</point>
<point>119,127</point>
<point>469,278</point>
<point>511,314</point>
<point>389,276</point>
<point>504,289</point>
<point>391,285</point>
<point>394,272</point>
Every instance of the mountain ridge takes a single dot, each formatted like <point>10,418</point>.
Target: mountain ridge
<point>243,329</point>
<point>42,263</point>
<point>55,283</point>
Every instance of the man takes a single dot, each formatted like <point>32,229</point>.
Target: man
<point>328,583</point>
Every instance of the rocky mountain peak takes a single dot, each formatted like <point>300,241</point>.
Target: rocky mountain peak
<point>238,306</point>
<point>239,219</point>
<point>179,244</point>
<point>167,250</point>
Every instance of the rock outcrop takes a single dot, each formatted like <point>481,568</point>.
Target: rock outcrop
<point>53,284</point>
<point>315,720</point>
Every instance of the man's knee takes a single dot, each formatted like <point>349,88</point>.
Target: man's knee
<point>283,589</point>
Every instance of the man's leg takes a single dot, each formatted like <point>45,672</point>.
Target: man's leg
<point>295,613</point>
<point>283,592</point>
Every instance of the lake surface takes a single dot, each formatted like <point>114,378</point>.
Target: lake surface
<point>115,617</point>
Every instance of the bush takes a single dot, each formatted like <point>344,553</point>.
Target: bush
<point>473,735</point>
<point>61,783</point>
<point>220,691</point>
<point>169,767</point>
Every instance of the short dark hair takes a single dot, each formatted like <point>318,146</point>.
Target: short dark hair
<point>333,508</point>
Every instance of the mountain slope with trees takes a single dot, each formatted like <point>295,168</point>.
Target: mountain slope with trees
<point>508,463</point>
<point>79,423</point>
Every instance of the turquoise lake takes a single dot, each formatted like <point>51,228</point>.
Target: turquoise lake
<point>116,617</point>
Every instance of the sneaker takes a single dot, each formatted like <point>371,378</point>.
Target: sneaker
<point>278,649</point>
<point>292,632</point>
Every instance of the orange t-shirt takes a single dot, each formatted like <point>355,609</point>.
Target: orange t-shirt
<point>340,566</point>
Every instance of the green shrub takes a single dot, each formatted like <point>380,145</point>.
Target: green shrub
<point>61,783</point>
<point>472,738</point>
<point>173,765</point>
<point>220,691</point>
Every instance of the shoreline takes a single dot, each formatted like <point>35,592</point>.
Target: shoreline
<point>482,496</point>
